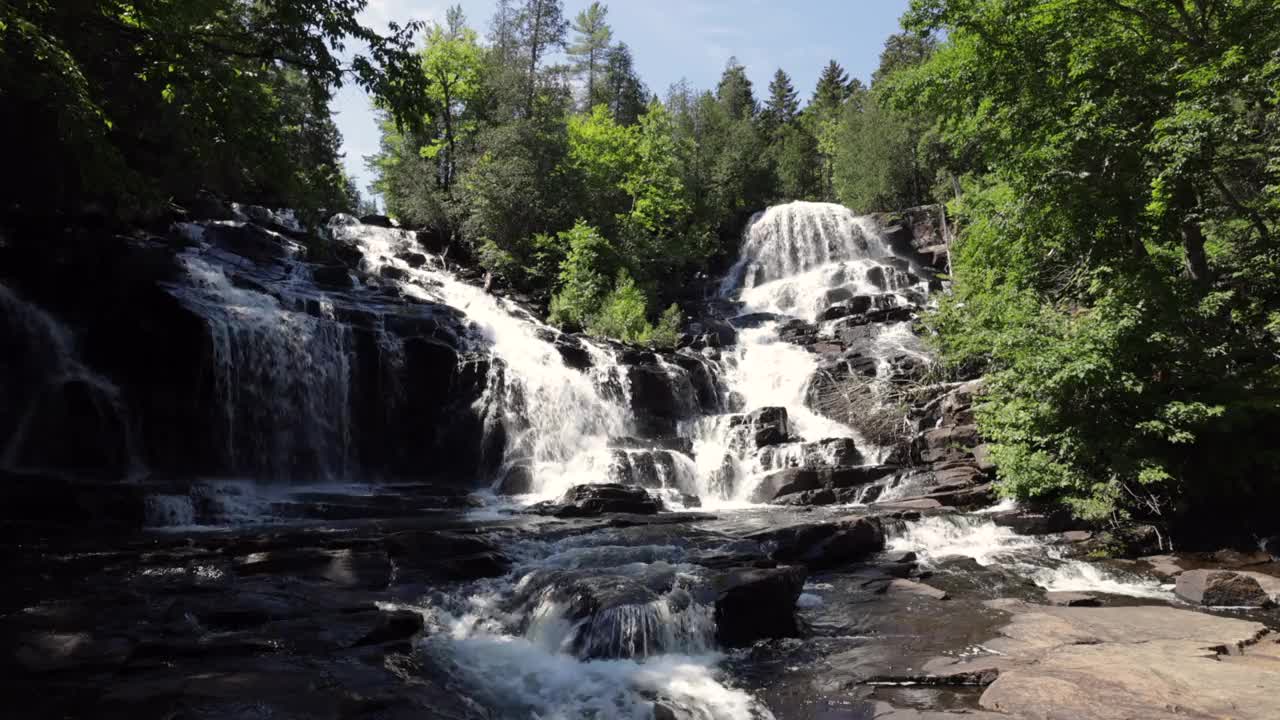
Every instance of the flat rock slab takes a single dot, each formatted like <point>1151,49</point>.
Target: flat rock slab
<point>1072,599</point>
<point>1122,663</point>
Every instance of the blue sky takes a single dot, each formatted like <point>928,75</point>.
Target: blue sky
<point>674,39</point>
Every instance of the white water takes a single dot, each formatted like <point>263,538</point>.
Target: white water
<point>556,418</point>
<point>48,348</point>
<point>796,259</point>
<point>973,536</point>
<point>528,662</point>
<point>283,377</point>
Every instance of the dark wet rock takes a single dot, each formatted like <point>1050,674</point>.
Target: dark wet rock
<point>798,332</point>
<point>391,272</point>
<point>1026,522</point>
<point>795,480</point>
<point>824,496</point>
<point>573,352</point>
<point>336,277</point>
<point>413,259</point>
<point>370,568</point>
<point>517,480</point>
<point>719,334</point>
<point>207,206</point>
<point>1227,588</point>
<point>600,499</point>
<point>381,221</point>
<point>444,555</point>
<point>701,373</point>
<point>763,427</point>
<point>394,626</point>
<point>755,604</point>
<point>653,396</point>
<point>41,505</point>
<point>753,320</point>
<point>826,544</point>
<point>248,240</point>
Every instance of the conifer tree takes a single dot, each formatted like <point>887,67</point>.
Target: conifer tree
<point>590,47</point>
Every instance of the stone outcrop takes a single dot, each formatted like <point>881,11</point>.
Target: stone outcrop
<point>1125,662</point>
<point>754,604</point>
<point>1228,588</point>
<point>600,499</point>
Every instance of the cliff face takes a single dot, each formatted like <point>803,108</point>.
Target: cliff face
<point>220,349</point>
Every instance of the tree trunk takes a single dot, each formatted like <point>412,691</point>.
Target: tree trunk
<point>1194,259</point>
<point>1197,264</point>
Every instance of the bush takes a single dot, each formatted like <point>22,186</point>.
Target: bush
<point>623,314</point>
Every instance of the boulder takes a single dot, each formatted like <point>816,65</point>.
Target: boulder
<point>436,556</point>
<point>1227,588</point>
<point>393,626</point>
<point>381,221</point>
<point>413,259</point>
<point>763,427</point>
<point>517,480</point>
<point>757,603</point>
<point>573,352</point>
<point>824,545</point>
<point>391,272</point>
<point>753,320</point>
<point>248,241</point>
<point>333,277</point>
<point>795,480</point>
<point>595,500</point>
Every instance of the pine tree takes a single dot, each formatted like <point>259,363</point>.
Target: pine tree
<point>590,48</point>
<point>735,92</point>
<point>783,105</point>
<point>542,28</point>
<point>624,91</point>
<point>832,90</point>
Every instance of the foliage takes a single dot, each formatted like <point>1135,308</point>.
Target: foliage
<point>584,276</point>
<point>623,313</point>
<point>1116,271</point>
<point>124,105</point>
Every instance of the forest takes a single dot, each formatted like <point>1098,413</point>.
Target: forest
<point>1111,170</point>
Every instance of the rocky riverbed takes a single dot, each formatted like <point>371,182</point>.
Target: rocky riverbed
<point>769,612</point>
<point>253,470</point>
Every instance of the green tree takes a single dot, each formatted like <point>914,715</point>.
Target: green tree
<point>541,29</point>
<point>583,282</point>
<point>625,93</point>
<point>1116,272</point>
<point>735,92</point>
<point>624,312</point>
<point>452,62</point>
<point>594,37</point>
<point>783,105</point>
<point>832,90</point>
<point>129,104</point>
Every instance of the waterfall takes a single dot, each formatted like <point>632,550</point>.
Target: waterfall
<point>797,262</point>
<point>61,416</point>
<point>283,376</point>
<point>557,421</point>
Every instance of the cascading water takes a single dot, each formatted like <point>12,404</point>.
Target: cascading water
<point>54,394</point>
<point>816,263</point>
<point>978,537</point>
<point>557,421</point>
<point>283,376</point>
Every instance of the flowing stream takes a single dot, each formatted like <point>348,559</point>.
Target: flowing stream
<point>618,621</point>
